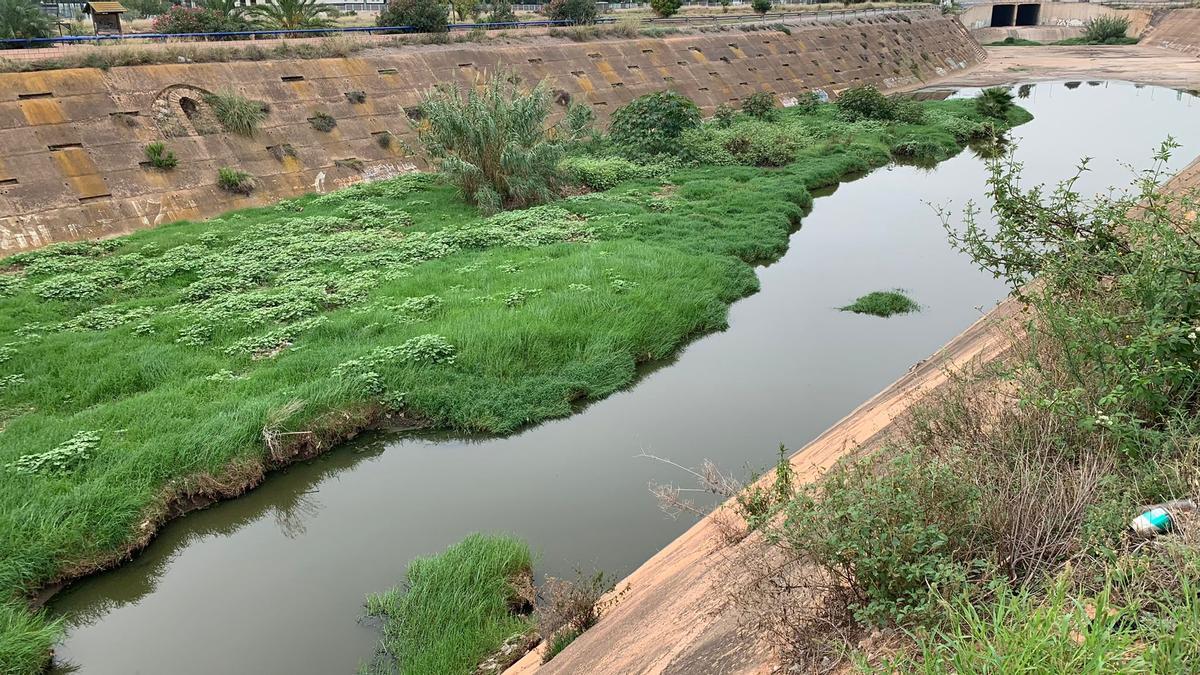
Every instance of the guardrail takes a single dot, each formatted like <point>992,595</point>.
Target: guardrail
<point>10,43</point>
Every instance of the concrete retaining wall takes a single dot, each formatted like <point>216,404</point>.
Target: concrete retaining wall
<point>1178,30</point>
<point>1061,14</point>
<point>72,141</point>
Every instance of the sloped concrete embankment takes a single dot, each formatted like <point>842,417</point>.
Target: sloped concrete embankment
<point>1178,30</point>
<point>72,141</point>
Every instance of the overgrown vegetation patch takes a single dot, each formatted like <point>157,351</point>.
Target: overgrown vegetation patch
<point>883,303</point>
<point>193,347</point>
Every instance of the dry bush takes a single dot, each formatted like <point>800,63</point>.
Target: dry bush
<point>570,605</point>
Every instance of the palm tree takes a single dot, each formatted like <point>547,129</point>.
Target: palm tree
<point>286,14</point>
<point>22,19</point>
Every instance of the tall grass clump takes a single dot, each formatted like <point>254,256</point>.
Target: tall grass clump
<point>1106,28</point>
<point>455,608</point>
<point>493,144</point>
<point>883,303</point>
<point>238,114</point>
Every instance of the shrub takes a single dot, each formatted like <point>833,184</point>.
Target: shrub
<point>502,12</point>
<point>235,181</point>
<point>238,114</point>
<point>429,348</point>
<point>807,102</point>
<point>160,157</point>
<point>356,96</point>
<point>652,124</point>
<point>322,121</point>
<point>760,104</point>
<point>908,111</point>
<point>23,19</point>
<point>423,16</point>
<point>761,6</point>
<point>603,173</point>
<point>750,142</point>
<point>1102,29</point>
<point>575,11</point>
<point>883,303</point>
<point>890,527</point>
<point>724,115</point>
<point>493,143</point>
<point>570,608</point>
<point>994,102</point>
<point>179,19</point>
<point>865,103</point>
<point>666,8</point>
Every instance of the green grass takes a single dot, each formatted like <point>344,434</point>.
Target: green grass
<point>236,113</point>
<point>883,303</point>
<point>1068,42</point>
<point>454,608</point>
<point>176,351</point>
<point>559,642</point>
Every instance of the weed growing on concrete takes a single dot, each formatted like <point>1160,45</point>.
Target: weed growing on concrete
<point>235,181</point>
<point>160,157</point>
<point>237,113</point>
<point>322,121</point>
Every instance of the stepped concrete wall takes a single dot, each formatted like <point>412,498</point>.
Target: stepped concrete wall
<point>1179,30</point>
<point>72,162</point>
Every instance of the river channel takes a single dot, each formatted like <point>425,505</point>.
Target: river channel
<point>273,582</point>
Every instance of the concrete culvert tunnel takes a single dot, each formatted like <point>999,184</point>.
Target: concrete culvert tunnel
<point>1004,16</point>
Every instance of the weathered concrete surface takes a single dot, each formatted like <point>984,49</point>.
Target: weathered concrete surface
<point>986,36</point>
<point>1061,14</point>
<point>1179,30</point>
<point>71,141</point>
<point>675,613</point>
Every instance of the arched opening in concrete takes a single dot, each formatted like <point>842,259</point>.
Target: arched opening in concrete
<point>189,106</point>
<point>1028,15</point>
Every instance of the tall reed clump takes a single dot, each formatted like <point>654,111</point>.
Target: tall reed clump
<point>455,608</point>
<point>238,114</point>
<point>493,143</point>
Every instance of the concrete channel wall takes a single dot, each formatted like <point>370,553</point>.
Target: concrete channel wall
<point>72,163</point>
<point>1178,30</point>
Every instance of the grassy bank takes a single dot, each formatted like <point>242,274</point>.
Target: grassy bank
<point>455,608</point>
<point>186,359</point>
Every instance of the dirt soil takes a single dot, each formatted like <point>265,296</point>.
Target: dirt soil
<point>675,614</point>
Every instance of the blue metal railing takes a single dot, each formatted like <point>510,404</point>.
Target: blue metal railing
<point>372,30</point>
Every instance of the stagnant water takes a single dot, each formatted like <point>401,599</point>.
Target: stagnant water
<point>273,582</point>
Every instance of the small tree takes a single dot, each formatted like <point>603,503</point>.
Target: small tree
<point>761,6</point>
<point>652,124</point>
<point>22,19</point>
<point>575,11</point>
<point>502,12</point>
<point>666,8</point>
<point>760,104</point>
<point>424,16</point>
<point>994,102</point>
<point>725,5</point>
<point>493,143</point>
<point>465,8</point>
<point>284,14</point>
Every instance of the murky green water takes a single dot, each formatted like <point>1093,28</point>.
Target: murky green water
<point>273,582</point>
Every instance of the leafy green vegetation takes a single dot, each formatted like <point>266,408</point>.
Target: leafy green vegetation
<point>23,19</point>
<point>992,527</point>
<point>323,121</point>
<point>1105,28</point>
<point>284,14</point>
<point>197,354</point>
<point>455,608</point>
<point>424,16</point>
<point>653,123</point>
